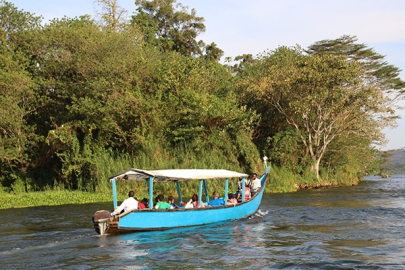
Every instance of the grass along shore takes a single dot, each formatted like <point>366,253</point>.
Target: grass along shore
<point>279,181</point>
<point>50,197</point>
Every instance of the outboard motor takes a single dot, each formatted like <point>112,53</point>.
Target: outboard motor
<point>101,220</point>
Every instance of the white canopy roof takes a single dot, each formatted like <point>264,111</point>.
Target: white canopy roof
<point>178,174</point>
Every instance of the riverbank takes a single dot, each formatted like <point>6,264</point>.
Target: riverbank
<point>61,197</point>
<point>48,198</point>
<point>328,184</point>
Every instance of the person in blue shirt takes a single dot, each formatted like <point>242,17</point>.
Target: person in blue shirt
<point>216,201</point>
<point>171,202</point>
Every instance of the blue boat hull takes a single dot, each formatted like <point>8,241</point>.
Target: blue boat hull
<point>166,219</point>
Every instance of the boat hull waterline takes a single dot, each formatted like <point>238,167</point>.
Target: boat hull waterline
<point>155,219</point>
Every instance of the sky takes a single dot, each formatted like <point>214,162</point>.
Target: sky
<point>255,26</point>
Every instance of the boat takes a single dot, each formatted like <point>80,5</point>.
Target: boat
<point>162,219</point>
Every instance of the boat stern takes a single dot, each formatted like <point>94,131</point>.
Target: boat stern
<point>101,221</point>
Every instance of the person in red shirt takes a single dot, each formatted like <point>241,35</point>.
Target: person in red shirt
<point>141,205</point>
<point>232,199</point>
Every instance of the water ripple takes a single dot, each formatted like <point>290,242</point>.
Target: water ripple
<point>359,227</point>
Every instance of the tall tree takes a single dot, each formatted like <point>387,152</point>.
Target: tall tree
<point>169,26</point>
<point>112,15</point>
<point>323,97</point>
<point>17,98</point>
<point>372,62</point>
<point>13,21</point>
<point>385,163</point>
<point>85,79</point>
<point>213,53</point>
<point>244,60</point>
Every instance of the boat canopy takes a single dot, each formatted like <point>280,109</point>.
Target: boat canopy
<point>175,174</point>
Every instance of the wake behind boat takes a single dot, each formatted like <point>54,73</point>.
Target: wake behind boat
<point>162,219</point>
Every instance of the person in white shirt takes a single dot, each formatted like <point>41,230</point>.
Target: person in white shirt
<point>265,158</point>
<point>127,205</point>
<point>256,183</point>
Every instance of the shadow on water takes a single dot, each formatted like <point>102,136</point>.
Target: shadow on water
<point>359,227</point>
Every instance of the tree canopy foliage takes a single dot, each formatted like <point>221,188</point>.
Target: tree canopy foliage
<point>112,15</point>
<point>168,25</point>
<point>82,99</point>
<point>323,97</point>
<point>373,63</point>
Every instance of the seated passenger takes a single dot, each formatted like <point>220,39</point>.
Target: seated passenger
<point>248,183</point>
<point>256,184</point>
<point>145,201</point>
<point>127,205</point>
<point>141,205</point>
<point>193,203</point>
<point>216,201</point>
<point>171,202</point>
<point>161,204</point>
<point>247,190</point>
<point>232,199</point>
<point>239,185</point>
<point>247,194</point>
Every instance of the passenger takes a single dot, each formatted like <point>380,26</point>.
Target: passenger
<point>145,201</point>
<point>239,192</point>
<point>161,204</point>
<point>256,184</point>
<point>247,190</point>
<point>248,183</point>
<point>141,205</point>
<point>127,205</point>
<point>247,194</point>
<point>232,199</point>
<point>216,201</point>
<point>193,202</point>
<point>171,202</point>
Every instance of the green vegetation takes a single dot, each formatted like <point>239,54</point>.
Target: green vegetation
<point>83,100</point>
<point>392,162</point>
<point>51,197</point>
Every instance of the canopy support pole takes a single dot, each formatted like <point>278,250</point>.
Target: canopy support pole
<point>243,189</point>
<point>150,186</point>
<point>207,198</point>
<point>200,192</point>
<point>114,190</point>
<point>179,192</point>
<point>226,191</point>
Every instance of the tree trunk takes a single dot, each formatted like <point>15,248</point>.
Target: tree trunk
<point>315,165</point>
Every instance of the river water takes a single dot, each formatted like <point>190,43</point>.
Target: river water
<point>360,227</point>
